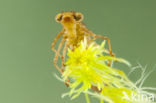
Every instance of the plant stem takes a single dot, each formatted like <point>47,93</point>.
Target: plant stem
<point>101,101</point>
<point>87,98</point>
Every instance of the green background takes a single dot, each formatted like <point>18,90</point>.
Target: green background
<point>27,28</point>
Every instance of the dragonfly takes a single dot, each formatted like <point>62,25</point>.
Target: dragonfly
<point>72,33</point>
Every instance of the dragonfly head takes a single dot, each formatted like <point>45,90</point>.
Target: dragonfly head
<point>69,17</point>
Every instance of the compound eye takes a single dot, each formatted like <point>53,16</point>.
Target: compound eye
<point>78,17</point>
<point>58,17</point>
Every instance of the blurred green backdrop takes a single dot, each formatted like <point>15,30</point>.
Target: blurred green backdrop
<point>27,28</point>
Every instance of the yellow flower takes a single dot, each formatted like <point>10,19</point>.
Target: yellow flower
<point>87,66</point>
